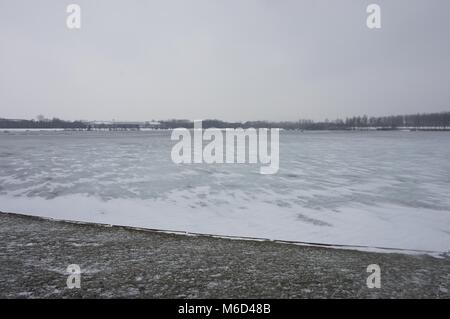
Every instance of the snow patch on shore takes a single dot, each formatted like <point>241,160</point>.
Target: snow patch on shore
<point>372,226</point>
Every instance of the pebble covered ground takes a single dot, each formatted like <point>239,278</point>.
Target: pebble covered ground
<point>117,262</point>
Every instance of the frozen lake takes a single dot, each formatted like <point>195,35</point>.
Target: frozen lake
<point>388,189</point>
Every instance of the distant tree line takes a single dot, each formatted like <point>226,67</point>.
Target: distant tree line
<point>43,124</point>
<point>435,120</point>
<point>427,120</point>
<point>418,121</point>
<point>56,123</point>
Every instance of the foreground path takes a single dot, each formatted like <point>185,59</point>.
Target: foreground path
<point>119,262</point>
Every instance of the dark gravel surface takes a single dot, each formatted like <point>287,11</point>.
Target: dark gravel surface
<point>126,263</point>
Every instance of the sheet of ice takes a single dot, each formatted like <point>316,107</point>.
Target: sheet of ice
<point>388,189</point>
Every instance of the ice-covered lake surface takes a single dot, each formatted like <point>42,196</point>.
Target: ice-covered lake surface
<point>384,189</point>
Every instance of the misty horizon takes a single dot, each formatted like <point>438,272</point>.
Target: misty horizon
<point>230,60</point>
<point>42,117</point>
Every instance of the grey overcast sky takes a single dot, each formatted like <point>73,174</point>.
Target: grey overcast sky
<point>226,59</point>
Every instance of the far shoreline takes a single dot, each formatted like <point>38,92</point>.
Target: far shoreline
<point>12,130</point>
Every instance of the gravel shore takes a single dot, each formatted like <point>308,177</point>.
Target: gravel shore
<point>127,263</point>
